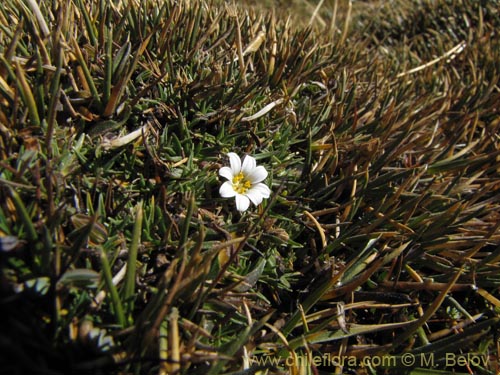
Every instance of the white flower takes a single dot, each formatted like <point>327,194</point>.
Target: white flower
<point>244,181</point>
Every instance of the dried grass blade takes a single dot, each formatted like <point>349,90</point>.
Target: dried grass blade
<point>441,348</point>
<point>39,17</point>
<point>451,54</point>
<point>88,77</point>
<point>6,91</point>
<point>354,330</point>
<point>108,63</point>
<point>27,95</point>
<point>489,297</point>
<point>91,32</point>
<point>428,313</point>
<point>119,88</point>
<point>129,287</point>
<point>174,342</point>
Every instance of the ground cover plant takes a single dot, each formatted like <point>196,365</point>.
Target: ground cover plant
<point>377,250</point>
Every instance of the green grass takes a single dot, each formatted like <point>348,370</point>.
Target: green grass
<point>378,124</point>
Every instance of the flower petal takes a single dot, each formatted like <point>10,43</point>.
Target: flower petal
<point>257,175</point>
<point>242,202</point>
<point>261,189</point>
<point>226,190</point>
<point>249,164</point>
<point>226,172</point>
<point>255,196</point>
<point>235,162</point>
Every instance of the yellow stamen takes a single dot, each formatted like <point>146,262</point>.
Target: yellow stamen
<point>241,184</point>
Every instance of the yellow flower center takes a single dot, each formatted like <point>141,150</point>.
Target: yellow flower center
<point>241,184</point>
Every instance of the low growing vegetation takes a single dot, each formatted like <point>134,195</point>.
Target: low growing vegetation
<point>377,123</point>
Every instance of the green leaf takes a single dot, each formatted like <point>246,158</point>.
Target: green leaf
<point>80,277</point>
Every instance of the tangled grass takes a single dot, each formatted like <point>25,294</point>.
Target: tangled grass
<point>378,123</point>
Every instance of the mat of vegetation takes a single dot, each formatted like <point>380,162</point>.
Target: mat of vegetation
<point>378,124</point>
